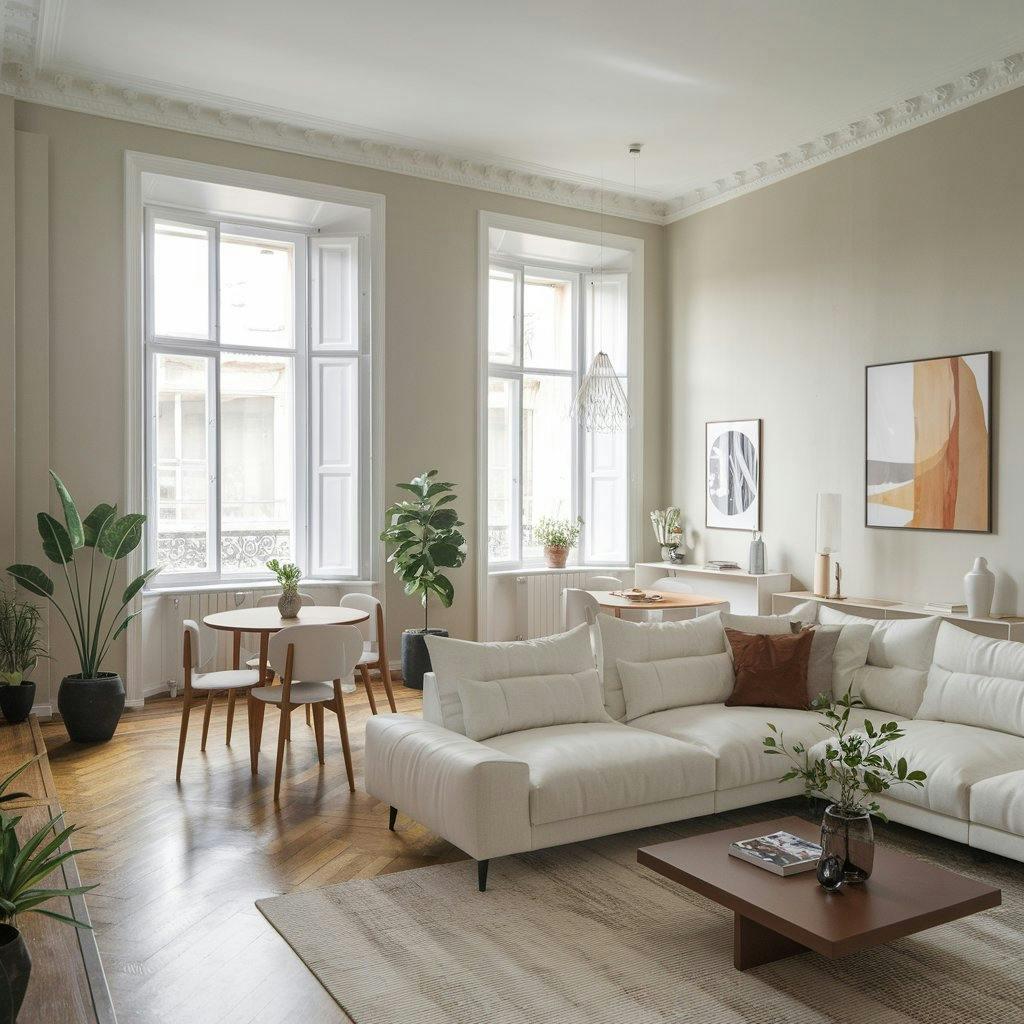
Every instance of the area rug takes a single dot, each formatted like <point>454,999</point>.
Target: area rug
<point>582,934</point>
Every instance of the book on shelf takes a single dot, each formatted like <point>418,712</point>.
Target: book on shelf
<point>947,607</point>
<point>721,566</point>
<point>780,852</point>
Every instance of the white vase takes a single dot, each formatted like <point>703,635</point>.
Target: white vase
<point>979,586</point>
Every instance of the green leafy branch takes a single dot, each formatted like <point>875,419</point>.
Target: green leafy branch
<point>851,769</point>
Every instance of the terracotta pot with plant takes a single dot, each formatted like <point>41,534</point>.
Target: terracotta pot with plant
<point>88,552</point>
<point>559,537</point>
<point>21,647</point>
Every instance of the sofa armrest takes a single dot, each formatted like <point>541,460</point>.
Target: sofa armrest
<point>474,796</point>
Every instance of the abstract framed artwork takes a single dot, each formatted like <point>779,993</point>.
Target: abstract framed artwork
<point>928,444</point>
<point>733,475</point>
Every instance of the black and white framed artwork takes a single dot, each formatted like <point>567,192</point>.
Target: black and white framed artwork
<point>733,464</point>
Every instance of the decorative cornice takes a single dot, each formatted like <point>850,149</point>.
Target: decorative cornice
<point>28,31</point>
<point>980,84</point>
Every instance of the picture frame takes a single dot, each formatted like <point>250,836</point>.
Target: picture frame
<point>732,474</point>
<point>918,475</point>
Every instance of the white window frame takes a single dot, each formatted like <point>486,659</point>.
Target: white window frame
<point>488,221</point>
<point>211,348</point>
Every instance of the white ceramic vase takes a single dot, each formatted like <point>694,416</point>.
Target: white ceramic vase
<point>979,586</point>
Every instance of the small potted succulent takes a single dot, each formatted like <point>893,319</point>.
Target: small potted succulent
<point>559,537</point>
<point>21,647</point>
<point>88,550</point>
<point>424,536</point>
<point>288,575</point>
<point>23,866</point>
<point>851,770</point>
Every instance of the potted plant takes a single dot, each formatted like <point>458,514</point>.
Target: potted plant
<point>851,770</point>
<point>22,867</point>
<point>91,700</point>
<point>559,537</point>
<point>424,536</point>
<point>21,647</point>
<point>288,575</point>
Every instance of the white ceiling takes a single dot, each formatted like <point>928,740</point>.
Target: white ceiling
<point>557,88</point>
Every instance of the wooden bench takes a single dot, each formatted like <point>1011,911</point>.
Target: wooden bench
<point>67,985</point>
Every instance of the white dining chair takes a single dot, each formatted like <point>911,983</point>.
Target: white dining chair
<point>195,654</point>
<point>304,656</point>
<point>604,583</point>
<point>375,653</point>
<point>266,601</point>
<point>578,607</point>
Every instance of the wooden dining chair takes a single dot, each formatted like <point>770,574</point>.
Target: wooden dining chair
<point>303,656</point>
<point>375,653</point>
<point>194,656</point>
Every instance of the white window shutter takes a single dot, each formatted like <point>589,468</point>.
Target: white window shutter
<point>605,456</point>
<point>334,281</point>
<point>335,466</point>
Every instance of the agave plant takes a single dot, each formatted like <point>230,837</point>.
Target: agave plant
<point>102,531</point>
<point>24,865</point>
<point>426,539</point>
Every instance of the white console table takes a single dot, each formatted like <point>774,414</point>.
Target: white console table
<point>747,593</point>
<point>1009,627</point>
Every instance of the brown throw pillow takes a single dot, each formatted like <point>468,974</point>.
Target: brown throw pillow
<point>771,671</point>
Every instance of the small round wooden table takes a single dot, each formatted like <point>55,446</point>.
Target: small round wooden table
<point>669,599</point>
<point>268,620</point>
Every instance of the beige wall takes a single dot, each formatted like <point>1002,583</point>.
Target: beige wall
<point>778,300</point>
<point>430,324</point>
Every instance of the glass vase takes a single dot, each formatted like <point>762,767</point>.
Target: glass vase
<point>850,840</point>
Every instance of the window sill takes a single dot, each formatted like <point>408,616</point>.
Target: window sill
<point>543,570</point>
<point>255,584</point>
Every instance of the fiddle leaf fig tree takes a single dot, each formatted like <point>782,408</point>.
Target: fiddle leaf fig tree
<point>90,587</point>
<point>423,533</point>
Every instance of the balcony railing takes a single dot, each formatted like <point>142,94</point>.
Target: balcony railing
<point>242,549</point>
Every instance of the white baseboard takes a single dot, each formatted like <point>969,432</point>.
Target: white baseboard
<point>44,711</point>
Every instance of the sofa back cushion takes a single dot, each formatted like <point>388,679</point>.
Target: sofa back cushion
<point>761,625</point>
<point>452,660</point>
<point>899,656</point>
<point>499,706</point>
<point>650,686</point>
<point>975,680</point>
<point>652,641</point>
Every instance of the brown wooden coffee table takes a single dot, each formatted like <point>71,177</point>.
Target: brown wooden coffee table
<point>776,917</point>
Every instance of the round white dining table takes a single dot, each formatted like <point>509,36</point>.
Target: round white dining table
<point>268,620</point>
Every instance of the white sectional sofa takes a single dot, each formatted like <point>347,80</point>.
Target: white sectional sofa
<point>582,736</point>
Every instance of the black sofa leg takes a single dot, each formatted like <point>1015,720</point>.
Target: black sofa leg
<point>481,874</point>
<point>392,816</point>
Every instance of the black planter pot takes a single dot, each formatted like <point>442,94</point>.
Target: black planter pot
<point>415,656</point>
<point>16,701</point>
<point>91,708</point>
<point>15,965</point>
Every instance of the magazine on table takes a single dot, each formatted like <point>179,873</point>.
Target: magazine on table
<point>780,852</point>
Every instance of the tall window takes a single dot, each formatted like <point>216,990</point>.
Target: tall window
<point>257,368</point>
<point>544,327</point>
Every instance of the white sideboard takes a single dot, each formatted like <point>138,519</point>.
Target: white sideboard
<point>747,593</point>
<point>1010,627</point>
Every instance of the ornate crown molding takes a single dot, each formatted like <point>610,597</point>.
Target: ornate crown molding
<point>1000,75</point>
<point>28,29</point>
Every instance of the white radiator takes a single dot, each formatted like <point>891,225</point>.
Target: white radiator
<point>539,602</point>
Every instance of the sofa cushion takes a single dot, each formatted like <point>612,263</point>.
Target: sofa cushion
<point>591,768</point>
<point>652,641</point>
<point>999,802</point>
<point>765,625</point>
<point>771,671</point>
<point>895,690</point>
<point>975,680</point>
<point>498,706</point>
<point>452,660</point>
<point>955,758</point>
<point>650,686</point>
<point>734,736</point>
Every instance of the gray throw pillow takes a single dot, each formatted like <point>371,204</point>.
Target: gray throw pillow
<point>820,666</point>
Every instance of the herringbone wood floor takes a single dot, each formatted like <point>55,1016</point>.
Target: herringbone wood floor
<point>179,867</point>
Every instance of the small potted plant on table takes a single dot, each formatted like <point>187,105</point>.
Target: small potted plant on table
<point>21,647</point>
<point>559,537</point>
<point>91,700</point>
<point>424,536</point>
<point>851,770</point>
